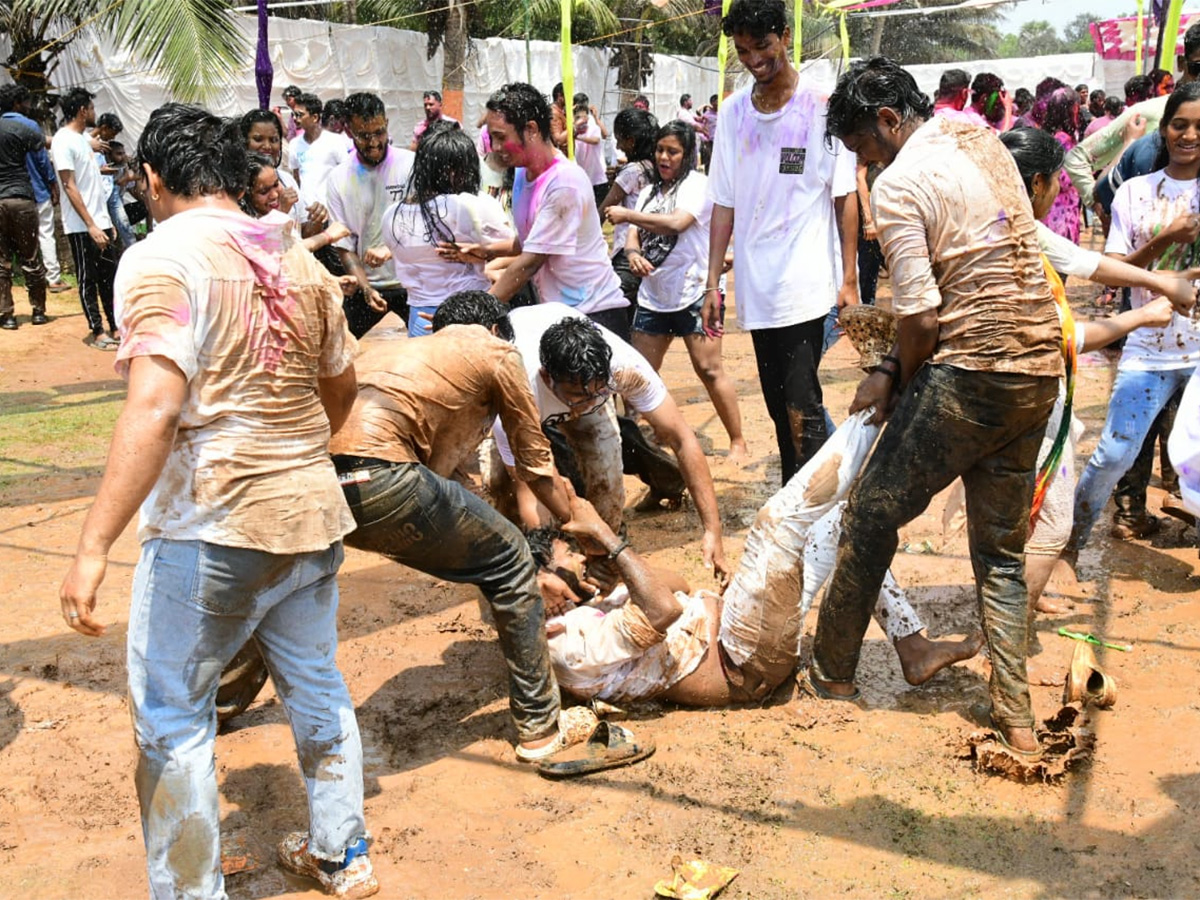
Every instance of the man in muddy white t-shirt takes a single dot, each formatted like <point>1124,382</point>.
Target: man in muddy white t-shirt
<point>560,243</point>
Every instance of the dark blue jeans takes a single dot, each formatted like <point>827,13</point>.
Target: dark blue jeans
<point>412,515</point>
<point>951,422</point>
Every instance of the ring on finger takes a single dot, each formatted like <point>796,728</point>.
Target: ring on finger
<point>73,615</point>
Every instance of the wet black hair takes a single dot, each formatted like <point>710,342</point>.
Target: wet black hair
<point>436,95</point>
<point>1060,112</point>
<point>1035,152</point>
<point>73,101</point>
<point>541,543</point>
<point>11,96</point>
<point>520,103</point>
<point>684,99</point>
<point>255,163</point>
<point>192,151</point>
<point>580,97</point>
<point>110,120</point>
<point>686,135</point>
<point>986,87</point>
<point>334,109</point>
<point>292,91</point>
<point>311,103</point>
<point>446,162</point>
<point>256,117</point>
<point>474,308</point>
<point>1113,106</point>
<point>1184,93</point>
<point>642,127</point>
<point>365,106</point>
<point>1097,96</point>
<point>869,86</point>
<point>1048,86</point>
<point>1191,40</point>
<point>1137,89</point>
<point>952,81</point>
<point>573,351</point>
<point>1023,99</point>
<point>756,18</point>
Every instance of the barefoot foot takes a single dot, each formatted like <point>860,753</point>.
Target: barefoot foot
<point>921,658</point>
<point>739,453</point>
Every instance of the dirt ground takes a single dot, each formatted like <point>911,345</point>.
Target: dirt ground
<point>805,800</point>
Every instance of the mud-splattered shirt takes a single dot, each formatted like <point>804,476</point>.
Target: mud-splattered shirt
<point>433,401</point>
<point>957,230</point>
<point>252,320</point>
<point>1142,208</point>
<point>633,378</point>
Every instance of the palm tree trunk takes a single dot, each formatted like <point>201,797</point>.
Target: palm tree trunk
<point>454,61</point>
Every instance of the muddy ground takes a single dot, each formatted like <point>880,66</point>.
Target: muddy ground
<point>805,800</point>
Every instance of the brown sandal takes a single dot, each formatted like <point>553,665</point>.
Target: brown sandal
<point>1087,683</point>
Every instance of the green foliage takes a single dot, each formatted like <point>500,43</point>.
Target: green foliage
<point>951,36</point>
<point>193,44</point>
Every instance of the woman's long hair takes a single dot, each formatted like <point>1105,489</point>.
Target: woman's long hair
<point>446,162</point>
<point>255,163</point>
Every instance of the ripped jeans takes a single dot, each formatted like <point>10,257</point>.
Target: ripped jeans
<point>986,427</point>
<point>194,605</point>
<point>411,514</point>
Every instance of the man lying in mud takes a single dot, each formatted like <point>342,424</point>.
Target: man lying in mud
<point>650,637</point>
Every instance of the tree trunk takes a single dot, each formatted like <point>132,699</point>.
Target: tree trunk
<point>455,44</point>
<point>877,35</point>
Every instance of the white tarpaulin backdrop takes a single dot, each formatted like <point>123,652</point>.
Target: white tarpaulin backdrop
<point>333,60</point>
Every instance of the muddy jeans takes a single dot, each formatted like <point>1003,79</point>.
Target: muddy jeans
<point>787,361</point>
<point>410,514</point>
<point>19,238</point>
<point>987,428</point>
<point>194,605</point>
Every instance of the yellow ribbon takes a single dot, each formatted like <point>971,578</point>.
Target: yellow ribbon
<point>568,73</point>
<point>1170,34</point>
<point>722,55</point>
<point>798,34</point>
<point>1141,26</point>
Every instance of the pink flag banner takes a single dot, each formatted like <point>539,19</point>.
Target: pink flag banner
<point>1117,38</point>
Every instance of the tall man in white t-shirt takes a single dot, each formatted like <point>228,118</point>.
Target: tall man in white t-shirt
<point>787,197</point>
<point>86,223</point>
<point>314,153</point>
<point>559,245</point>
<point>366,183</point>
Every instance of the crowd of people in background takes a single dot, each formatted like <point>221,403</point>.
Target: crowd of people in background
<point>540,271</point>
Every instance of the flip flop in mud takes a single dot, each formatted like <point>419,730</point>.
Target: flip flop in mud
<point>814,688</point>
<point>609,747</point>
<point>1025,756</point>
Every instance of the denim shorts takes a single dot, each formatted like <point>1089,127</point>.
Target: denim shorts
<point>680,323</point>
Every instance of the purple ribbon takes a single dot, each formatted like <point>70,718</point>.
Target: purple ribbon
<point>263,70</point>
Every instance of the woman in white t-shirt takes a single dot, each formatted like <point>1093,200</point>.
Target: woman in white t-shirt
<point>667,247</point>
<point>263,134</point>
<point>1155,223</point>
<point>263,198</point>
<point>636,131</point>
<point>441,205</point>
<point>1039,158</point>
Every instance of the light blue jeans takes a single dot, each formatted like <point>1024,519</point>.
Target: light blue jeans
<point>1137,399</point>
<point>194,605</point>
